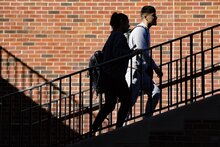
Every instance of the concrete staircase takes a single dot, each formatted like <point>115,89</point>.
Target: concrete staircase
<point>197,124</point>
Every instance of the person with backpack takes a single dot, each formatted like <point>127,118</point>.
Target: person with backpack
<point>113,80</point>
<point>140,75</point>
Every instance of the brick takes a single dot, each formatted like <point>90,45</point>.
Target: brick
<point>90,36</point>
<point>66,28</point>
<point>66,4</point>
<point>22,31</point>
<point>53,12</point>
<point>4,19</point>
<point>47,56</point>
<point>41,36</point>
<point>72,16</point>
<point>28,20</point>
<point>198,16</point>
<point>10,31</point>
<point>79,20</point>
<point>28,43</point>
<point>205,3</point>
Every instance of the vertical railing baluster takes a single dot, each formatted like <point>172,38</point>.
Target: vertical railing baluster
<point>10,121</point>
<point>30,118</point>
<point>100,106</point>
<point>141,85</point>
<point>70,93</point>
<point>82,95</point>
<point>168,88</point>
<point>171,72</point>
<point>131,70</point>
<point>1,64</point>
<point>212,60</point>
<point>21,121</point>
<point>191,68</point>
<point>177,87</point>
<point>65,131</point>
<point>80,103</point>
<point>195,90</point>
<point>57,122</point>
<point>49,115</point>
<point>1,105</point>
<point>73,123</point>
<point>181,70</point>
<point>60,109</point>
<point>91,101</point>
<point>186,86</point>
<point>161,92</point>
<point>40,116</point>
<point>203,66</point>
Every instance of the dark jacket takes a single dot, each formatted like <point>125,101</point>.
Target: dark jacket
<point>116,46</point>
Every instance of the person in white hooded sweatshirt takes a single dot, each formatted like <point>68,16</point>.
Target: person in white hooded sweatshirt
<point>143,65</point>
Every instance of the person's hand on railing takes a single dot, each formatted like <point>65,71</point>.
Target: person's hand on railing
<point>159,72</point>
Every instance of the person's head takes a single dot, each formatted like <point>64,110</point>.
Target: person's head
<point>119,22</point>
<point>148,15</point>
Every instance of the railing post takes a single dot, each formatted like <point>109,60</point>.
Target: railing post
<point>168,88</point>
<point>186,86</point>
<point>1,61</point>
<point>30,119</point>
<point>212,61</point>
<point>40,115</point>
<point>60,108</point>
<point>177,87</point>
<point>80,103</point>
<point>49,115</point>
<point>191,68</point>
<point>90,100</point>
<point>195,89</point>
<point>161,61</point>
<point>141,87</point>
<point>203,66</point>
<point>70,93</point>
<point>181,70</point>
<point>171,73</point>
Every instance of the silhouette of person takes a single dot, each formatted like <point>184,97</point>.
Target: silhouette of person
<point>113,81</point>
<point>143,66</point>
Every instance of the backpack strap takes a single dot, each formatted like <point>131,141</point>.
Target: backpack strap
<point>141,27</point>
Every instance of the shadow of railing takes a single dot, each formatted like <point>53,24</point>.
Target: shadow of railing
<point>18,73</point>
<point>19,124</point>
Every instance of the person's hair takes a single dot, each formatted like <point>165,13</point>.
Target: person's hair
<point>147,10</point>
<point>116,18</point>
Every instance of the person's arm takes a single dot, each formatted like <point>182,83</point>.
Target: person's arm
<point>121,45</point>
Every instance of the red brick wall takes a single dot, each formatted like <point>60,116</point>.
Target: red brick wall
<point>57,37</point>
<point>45,39</point>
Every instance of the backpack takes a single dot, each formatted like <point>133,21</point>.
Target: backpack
<point>128,33</point>
<point>95,72</point>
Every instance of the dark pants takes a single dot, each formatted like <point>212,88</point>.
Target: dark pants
<point>115,88</point>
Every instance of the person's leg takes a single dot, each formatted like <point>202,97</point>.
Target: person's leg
<point>153,94</point>
<point>152,101</point>
<point>125,99</point>
<point>135,86</point>
<point>109,106</point>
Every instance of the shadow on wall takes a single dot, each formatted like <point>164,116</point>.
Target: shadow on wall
<point>18,73</point>
<point>26,120</point>
<point>20,125</point>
